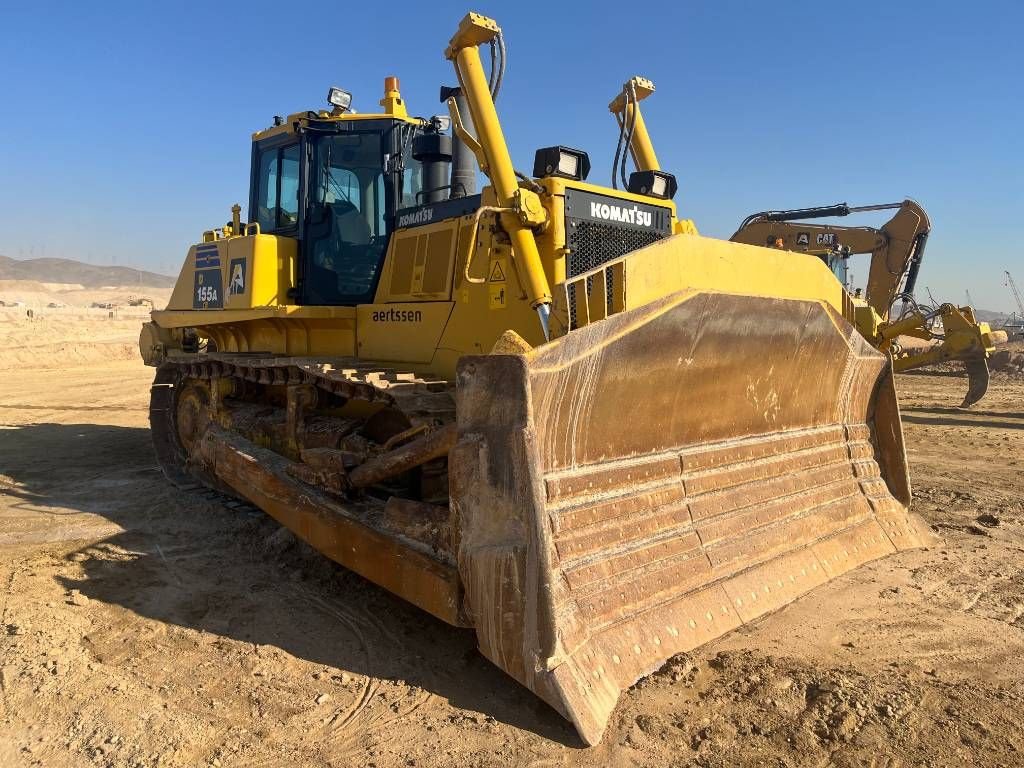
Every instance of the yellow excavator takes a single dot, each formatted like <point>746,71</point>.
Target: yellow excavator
<point>897,251</point>
<point>549,410</point>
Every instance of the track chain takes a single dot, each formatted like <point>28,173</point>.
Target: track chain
<point>346,377</point>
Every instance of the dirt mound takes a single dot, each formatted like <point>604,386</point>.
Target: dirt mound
<point>49,296</point>
<point>1007,360</point>
<point>740,707</point>
<point>63,337</point>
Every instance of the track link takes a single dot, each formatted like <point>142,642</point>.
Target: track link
<point>425,401</point>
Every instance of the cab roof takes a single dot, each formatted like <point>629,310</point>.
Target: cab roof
<point>393,104</point>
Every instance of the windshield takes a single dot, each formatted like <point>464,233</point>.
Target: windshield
<point>347,231</point>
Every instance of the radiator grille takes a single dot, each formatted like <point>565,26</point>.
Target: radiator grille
<point>600,229</point>
<point>592,244</point>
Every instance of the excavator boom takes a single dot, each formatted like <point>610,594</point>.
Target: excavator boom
<point>897,252</point>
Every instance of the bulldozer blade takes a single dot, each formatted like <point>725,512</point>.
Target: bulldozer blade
<point>654,480</point>
<point>977,380</point>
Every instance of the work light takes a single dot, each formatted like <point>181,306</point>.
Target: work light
<point>561,161</point>
<point>339,98</point>
<point>653,184</point>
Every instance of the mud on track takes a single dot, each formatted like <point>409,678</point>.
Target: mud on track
<point>140,626</point>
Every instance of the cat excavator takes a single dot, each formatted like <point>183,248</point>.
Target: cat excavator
<point>897,251</point>
<point>548,411</point>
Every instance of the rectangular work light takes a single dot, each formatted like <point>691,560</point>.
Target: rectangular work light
<point>653,184</point>
<point>339,98</point>
<point>561,161</point>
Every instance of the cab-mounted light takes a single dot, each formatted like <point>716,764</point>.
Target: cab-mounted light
<point>340,99</point>
<point>653,184</point>
<point>561,161</point>
<point>440,123</point>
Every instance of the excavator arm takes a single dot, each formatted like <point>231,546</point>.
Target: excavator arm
<point>897,250</point>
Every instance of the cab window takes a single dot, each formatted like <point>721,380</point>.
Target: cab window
<point>347,232</point>
<point>277,200</point>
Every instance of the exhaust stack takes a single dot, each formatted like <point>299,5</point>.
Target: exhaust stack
<point>434,150</point>
<point>463,174</point>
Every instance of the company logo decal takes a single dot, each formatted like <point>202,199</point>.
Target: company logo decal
<point>422,216</point>
<point>626,215</point>
<point>397,316</point>
<point>236,284</point>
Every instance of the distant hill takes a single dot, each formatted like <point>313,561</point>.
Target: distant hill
<point>87,275</point>
<point>988,316</point>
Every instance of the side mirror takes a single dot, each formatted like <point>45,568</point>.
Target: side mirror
<point>319,215</point>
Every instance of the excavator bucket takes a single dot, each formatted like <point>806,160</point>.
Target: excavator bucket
<point>654,480</point>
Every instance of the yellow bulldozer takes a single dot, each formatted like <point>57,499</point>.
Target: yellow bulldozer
<point>897,252</point>
<point>549,411</point>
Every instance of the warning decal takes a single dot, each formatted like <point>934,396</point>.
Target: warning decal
<point>496,277</point>
<point>497,274</point>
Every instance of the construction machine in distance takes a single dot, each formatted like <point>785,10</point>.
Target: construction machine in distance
<point>897,252</point>
<point>549,411</point>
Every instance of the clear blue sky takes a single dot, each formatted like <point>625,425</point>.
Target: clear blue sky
<point>124,126</point>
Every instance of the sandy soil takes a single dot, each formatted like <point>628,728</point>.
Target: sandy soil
<point>75,332</point>
<point>140,626</point>
<point>36,295</point>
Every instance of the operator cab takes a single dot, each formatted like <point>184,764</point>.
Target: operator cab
<point>333,181</point>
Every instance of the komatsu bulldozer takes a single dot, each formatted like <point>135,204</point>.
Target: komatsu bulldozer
<point>897,252</point>
<point>549,411</point>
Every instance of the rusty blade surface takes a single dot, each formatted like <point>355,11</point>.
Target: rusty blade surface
<point>652,481</point>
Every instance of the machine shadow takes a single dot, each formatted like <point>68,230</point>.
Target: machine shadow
<point>949,421</point>
<point>188,560</point>
<point>960,412</point>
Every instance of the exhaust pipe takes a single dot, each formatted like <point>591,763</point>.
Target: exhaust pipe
<point>434,150</point>
<point>463,176</point>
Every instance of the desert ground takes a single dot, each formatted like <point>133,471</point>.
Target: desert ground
<point>143,626</point>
